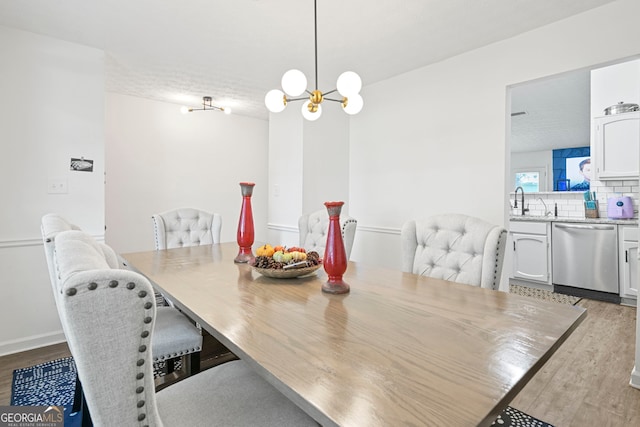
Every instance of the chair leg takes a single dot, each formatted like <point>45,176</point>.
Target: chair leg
<point>170,365</point>
<point>191,363</point>
<point>194,363</point>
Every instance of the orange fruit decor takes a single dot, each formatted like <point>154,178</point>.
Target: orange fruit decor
<point>266,250</point>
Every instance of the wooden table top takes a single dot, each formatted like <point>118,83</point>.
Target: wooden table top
<point>399,349</point>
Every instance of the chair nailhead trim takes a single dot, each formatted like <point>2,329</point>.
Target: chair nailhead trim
<point>145,334</point>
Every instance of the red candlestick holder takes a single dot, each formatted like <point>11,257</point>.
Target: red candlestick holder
<point>335,255</point>
<point>245,234</point>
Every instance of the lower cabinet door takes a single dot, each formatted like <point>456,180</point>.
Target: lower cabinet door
<point>628,287</point>
<point>530,257</point>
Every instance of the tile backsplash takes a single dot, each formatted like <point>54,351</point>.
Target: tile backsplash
<point>571,203</point>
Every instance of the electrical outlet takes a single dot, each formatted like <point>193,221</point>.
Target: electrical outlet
<point>57,186</point>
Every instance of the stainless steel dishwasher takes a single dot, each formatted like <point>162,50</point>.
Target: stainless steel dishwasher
<point>585,260</point>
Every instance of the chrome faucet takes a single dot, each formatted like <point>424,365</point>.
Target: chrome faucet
<point>515,200</point>
<point>546,211</point>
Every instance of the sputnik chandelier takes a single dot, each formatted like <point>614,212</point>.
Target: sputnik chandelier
<point>294,84</point>
<point>207,104</point>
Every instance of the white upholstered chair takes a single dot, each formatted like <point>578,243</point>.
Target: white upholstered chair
<point>186,227</point>
<point>182,227</point>
<point>175,335</point>
<point>313,228</point>
<point>454,247</point>
<point>109,316</point>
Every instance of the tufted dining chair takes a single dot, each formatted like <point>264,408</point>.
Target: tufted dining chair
<point>313,228</point>
<point>110,317</point>
<point>454,247</point>
<point>183,227</point>
<point>186,227</point>
<point>175,335</point>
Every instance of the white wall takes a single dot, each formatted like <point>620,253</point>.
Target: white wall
<point>308,165</point>
<point>433,140</point>
<point>159,159</point>
<point>51,109</point>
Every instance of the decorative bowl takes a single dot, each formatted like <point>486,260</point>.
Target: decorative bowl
<point>290,273</point>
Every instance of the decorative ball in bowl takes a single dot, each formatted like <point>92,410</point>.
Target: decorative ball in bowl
<point>285,263</point>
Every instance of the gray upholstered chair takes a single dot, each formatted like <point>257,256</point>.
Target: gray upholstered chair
<point>313,229</point>
<point>454,247</point>
<point>109,315</point>
<point>186,227</point>
<point>175,335</point>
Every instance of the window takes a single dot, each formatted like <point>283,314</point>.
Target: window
<point>529,181</point>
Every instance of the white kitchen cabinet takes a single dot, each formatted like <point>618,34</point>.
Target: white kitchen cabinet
<point>531,258</point>
<point>628,241</point>
<point>617,146</point>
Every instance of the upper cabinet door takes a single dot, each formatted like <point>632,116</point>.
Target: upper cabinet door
<point>617,146</point>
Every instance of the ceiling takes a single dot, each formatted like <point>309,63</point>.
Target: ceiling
<point>557,113</point>
<point>235,51</point>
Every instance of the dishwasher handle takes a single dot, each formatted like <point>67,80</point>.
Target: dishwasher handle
<point>586,227</point>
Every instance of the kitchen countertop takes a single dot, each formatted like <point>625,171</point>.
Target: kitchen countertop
<point>539,218</point>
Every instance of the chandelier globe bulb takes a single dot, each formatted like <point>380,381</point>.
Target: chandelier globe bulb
<point>349,83</point>
<point>275,100</point>
<point>294,82</point>
<point>354,104</point>
<point>309,114</point>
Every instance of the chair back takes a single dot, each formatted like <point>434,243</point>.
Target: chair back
<point>186,227</point>
<point>52,224</point>
<point>108,316</point>
<point>454,247</point>
<point>313,228</point>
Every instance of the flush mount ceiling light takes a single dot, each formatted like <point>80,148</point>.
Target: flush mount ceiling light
<point>294,83</point>
<point>206,106</point>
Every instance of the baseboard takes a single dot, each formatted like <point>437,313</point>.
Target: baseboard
<point>30,343</point>
<point>635,378</point>
<point>587,293</point>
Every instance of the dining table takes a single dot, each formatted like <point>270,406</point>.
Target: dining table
<point>399,349</point>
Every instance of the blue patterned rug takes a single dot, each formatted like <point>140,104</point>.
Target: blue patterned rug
<point>511,417</point>
<point>54,383</point>
<point>48,384</point>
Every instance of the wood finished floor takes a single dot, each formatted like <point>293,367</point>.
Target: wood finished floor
<point>586,383</point>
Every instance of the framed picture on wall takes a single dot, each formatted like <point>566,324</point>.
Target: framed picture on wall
<point>572,169</point>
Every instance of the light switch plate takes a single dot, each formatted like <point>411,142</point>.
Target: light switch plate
<point>57,186</point>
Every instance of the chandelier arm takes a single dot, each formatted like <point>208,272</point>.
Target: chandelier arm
<point>330,92</point>
<point>207,108</point>
<point>297,99</point>
<point>331,99</point>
